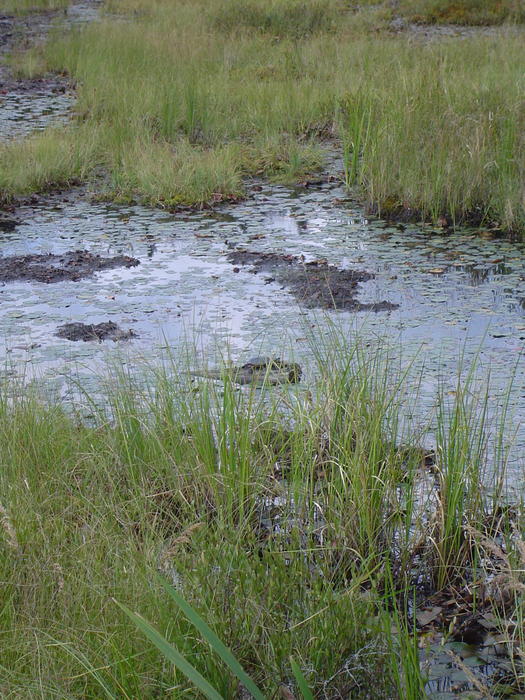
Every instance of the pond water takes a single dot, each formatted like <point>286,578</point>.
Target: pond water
<point>23,112</point>
<point>458,294</point>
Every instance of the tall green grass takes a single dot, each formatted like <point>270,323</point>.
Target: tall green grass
<point>450,142</point>
<point>281,18</point>
<point>287,518</point>
<point>185,99</point>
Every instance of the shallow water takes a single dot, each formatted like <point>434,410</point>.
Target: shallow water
<point>457,293</point>
<point>27,106</point>
<point>24,112</point>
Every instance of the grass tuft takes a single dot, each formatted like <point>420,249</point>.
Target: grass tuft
<point>294,19</point>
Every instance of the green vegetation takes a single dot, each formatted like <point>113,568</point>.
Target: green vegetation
<point>180,103</point>
<point>280,18</point>
<point>24,6</point>
<point>292,523</point>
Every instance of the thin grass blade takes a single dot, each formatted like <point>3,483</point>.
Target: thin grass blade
<point>91,670</point>
<point>170,653</point>
<point>301,680</point>
<point>217,645</point>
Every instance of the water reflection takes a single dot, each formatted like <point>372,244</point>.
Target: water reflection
<point>473,305</point>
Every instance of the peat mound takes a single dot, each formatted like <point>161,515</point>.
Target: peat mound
<point>91,331</point>
<point>315,284</point>
<point>72,266</point>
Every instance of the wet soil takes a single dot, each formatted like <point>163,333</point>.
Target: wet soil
<point>7,225</point>
<point>90,331</point>
<point>30,100</point>
<point>31,104</point>
<point>72,266</point>
<point>315,284</point>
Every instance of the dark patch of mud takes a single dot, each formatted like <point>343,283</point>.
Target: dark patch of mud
<point>8,225</point>
<point>72,266</point>
<point>52,84</point>
<point>91,331</point>
<point>315,284</point>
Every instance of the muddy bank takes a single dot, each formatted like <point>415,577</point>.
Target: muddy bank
<point>24,30</point>
<point>72,266</point>
<point>91,331</point>
<point>402,214</point>
<point>316,284</point>
<point>32,104</point>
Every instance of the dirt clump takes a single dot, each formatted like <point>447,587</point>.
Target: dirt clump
<point>315,284</point>
<point>91,331</point>
<point>49,268</point>
<point>7,225</point>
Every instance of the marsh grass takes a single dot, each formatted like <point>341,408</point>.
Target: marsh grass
<point>283,516</point>
<point>293,19</point>
<point>26,6</point>
<point>449,141</point>
<point>55,158</point>
<point>185,99</point>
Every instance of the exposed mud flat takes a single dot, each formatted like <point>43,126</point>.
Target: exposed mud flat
<point>315,284</point>
<point>50,268</point>
<point>90,331</point>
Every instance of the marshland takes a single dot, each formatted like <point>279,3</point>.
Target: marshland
<point>262,310</point>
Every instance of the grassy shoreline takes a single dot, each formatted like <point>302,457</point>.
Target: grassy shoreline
<point>181,102</point>
<point>293,521</point>
<point>22,7</point>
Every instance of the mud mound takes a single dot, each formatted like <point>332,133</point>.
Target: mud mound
<point>315,284</point>
<point>91,331</point>
<point>49,268</point>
